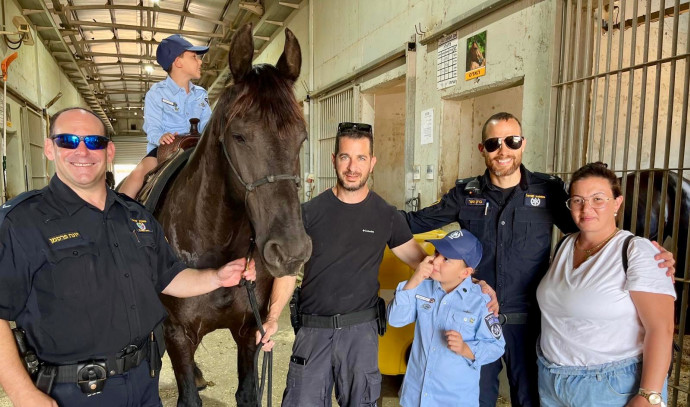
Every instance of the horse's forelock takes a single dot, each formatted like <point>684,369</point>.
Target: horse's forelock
<point>264,91</point>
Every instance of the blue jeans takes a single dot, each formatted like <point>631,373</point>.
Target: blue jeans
<point>608,385</point>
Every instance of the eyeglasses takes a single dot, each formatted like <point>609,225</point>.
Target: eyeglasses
<point>71,141</point>
<point>597,201</point>
<point>493,144</point>
<point>349,127</point>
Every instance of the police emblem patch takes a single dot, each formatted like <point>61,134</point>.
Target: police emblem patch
<point>454,234</point>
<point>534,200</point>
<point>494,325</point>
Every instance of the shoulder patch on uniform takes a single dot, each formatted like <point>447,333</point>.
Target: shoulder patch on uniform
<point>494,325</point>
<point>8,206</point>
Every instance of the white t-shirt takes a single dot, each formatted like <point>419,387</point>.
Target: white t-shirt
<point>587,315</point>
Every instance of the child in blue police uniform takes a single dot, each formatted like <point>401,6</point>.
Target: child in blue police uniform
<point>455,334</point>
<point>170,103</point>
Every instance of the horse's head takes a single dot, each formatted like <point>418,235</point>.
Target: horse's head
<point>261,130</point>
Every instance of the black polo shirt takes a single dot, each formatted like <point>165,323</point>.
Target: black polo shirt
<point>82,282</point>
<point>514,227</point>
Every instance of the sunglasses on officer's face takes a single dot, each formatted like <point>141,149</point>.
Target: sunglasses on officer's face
<point>71,141</point>
<point>493,144</point>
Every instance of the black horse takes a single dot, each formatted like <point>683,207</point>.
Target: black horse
<point>239,182</point>
<point>670,220</point>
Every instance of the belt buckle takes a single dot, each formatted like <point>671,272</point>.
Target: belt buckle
<point>91,377</point>
<point>336,321</point>
<point>502,319</point>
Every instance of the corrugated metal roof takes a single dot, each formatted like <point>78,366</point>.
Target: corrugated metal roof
<point>105,46</point>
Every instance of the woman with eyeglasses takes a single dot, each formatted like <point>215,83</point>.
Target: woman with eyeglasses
<point>600,319</point>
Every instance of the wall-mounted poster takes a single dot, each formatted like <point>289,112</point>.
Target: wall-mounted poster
<point>447,61</point>
<point>475,60</point>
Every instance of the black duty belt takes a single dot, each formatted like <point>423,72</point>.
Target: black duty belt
<point>519,318</point>
<point>129,358</point>
<point>339,320</point>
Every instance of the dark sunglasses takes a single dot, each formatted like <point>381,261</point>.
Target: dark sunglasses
<point>493,144</point>
<point>349,127</point>
<point>71,141</point>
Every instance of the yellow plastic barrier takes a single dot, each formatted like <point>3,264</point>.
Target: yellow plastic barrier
<point>394,346</point>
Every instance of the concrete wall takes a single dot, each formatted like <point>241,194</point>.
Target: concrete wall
<point>389,136</point>
<point>35,78</point>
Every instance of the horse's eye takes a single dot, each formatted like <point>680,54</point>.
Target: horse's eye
<point>238,138</point>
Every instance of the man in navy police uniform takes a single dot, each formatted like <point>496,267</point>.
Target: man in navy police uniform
<point>81,268</point>
<point>512,212</point>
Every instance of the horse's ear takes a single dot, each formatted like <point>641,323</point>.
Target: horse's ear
<point>290,62</point>
<point>241,52</point>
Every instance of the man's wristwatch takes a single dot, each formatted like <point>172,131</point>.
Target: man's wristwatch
<point>653,397</point>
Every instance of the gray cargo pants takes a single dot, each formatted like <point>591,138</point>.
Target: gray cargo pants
<point>346,357</point>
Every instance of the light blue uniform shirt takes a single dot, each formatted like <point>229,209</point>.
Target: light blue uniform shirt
<point>437,376</point>
<point>168,108</point>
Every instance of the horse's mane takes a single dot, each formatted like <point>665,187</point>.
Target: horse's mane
<point>267,93</point>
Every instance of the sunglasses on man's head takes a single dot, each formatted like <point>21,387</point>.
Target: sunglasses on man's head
<point>493,144</point>
<point>348,127</point>
<point>71,141</point>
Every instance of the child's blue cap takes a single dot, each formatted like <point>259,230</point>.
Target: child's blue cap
<point>460,245</point>
<point>172,47</point>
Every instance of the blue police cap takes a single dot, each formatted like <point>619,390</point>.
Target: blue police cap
<point>460,245</point>
<point>172,47</point>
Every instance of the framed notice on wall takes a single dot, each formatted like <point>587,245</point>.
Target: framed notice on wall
<point>475,59</point>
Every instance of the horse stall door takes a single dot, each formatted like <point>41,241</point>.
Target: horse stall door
<point>16,176</point>
<point>36,162</point>
<point>387,104</point>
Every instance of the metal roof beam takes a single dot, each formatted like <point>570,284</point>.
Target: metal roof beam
<point>117,55</point>
<point>151,9</point>
<point>79,23</point>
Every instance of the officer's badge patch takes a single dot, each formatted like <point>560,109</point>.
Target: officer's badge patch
<point>141,225</point>
<point>494,325</point>
<point>534,200</point>
<point>475,201</point>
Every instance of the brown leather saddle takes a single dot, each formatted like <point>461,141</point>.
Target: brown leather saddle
<point>169,161</point>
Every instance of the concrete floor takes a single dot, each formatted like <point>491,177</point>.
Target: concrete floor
<point>217,358</point>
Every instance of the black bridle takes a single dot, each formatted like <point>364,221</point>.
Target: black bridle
<point>267,362</point>
<point>251,186</point>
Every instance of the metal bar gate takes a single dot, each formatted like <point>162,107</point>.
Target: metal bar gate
<point>622,98</point>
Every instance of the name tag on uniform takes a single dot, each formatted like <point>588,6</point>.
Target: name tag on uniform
<point>534,200</point>
<point>475,201</point>
<point>423,298</point>
<point>170,103</point>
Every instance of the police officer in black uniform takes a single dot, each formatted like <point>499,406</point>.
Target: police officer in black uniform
<point>512,212</point>
<point>81,268</point>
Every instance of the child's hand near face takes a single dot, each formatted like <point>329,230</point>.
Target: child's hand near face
<point>458,345</point>
<point>423,271</point>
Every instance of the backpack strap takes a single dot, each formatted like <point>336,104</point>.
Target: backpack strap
<point>626,243</point>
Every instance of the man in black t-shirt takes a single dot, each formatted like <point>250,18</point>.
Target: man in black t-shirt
<point>350,227</point>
